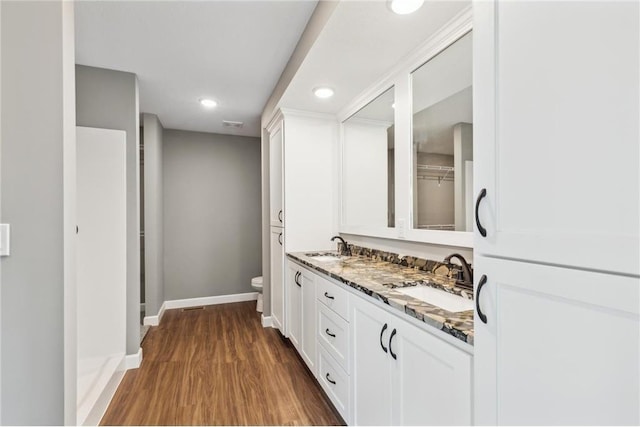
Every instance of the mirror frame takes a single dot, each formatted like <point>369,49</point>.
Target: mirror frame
<point>400,78</point>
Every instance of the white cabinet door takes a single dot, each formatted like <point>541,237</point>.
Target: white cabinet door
<point>308,318</point>
<point>371,370</point>
<point>277,279</point>
<point>560,346</point>
<point>294,305</point>
<point>275,174</point>
<point>432,379</point>
<point>556,129</point>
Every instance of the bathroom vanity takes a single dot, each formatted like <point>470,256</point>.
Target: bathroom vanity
<point>393,344</point>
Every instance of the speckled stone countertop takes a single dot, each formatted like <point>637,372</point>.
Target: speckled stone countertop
<point>379,279</point>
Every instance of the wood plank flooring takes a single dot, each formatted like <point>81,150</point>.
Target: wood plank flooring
<point>219,366</point>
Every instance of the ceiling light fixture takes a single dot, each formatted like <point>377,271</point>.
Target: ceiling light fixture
<point>208,103</point>
<point>404,7</point>
<point>323,92</point>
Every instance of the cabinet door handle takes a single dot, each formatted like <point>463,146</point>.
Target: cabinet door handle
<point>384,328</point>
<point>481,229</point>
<point>280,215</point>
<point>298,274</point>
<point>329,378</point>
<point>326,331</point>
<point>326,295</point>
<point>393,334</point>
<point>481,315</point>
<point>280,239</point>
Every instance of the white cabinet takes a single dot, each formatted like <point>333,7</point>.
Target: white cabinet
<point>277,279</point>
<point>301,306</point>
<point>275,176</point>
<point>301,181</point>
<point>556,130</point>
<point>560,346</point>
<point>402,375</point>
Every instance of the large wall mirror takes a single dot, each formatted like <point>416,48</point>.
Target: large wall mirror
<point>442,140</point>
<point>368,189</point>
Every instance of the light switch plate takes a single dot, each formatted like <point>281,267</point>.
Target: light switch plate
<point>5,241</point>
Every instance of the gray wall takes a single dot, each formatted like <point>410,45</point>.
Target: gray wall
<point>153,214</point>
<point>109,99</point>
<point>37,133</point>
<point>212,214</point>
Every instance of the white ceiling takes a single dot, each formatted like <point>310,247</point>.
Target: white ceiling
<point>231,51</point>
<point>360,43</point>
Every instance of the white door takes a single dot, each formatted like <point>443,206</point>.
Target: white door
<point>277,279</point>
<point>371,370</point>
<point>101,261</point>
<point>559,346</point>
<point>308,318</point>
<point>294,305</point>
<point>275,173</point>
<point>556,130</point>
<point>432,379</point>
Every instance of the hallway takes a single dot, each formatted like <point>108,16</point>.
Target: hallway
<point>217,365</point>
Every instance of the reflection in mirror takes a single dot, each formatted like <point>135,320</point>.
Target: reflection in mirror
<point>443,140</point>
<point>368,165</point>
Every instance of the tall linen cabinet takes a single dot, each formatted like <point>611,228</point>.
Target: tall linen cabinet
<point>556,245</point>
<point>302,176</point>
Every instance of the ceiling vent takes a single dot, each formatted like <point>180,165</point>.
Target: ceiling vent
<point>230,124</point>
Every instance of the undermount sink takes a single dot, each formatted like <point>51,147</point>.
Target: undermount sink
<point>439,298</point>
<point>324,257</point>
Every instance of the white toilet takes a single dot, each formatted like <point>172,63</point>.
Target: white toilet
<point>256,283</point>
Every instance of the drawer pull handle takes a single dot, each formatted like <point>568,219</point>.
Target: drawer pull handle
<point>329,296</point>
<point>384,328</point>
<point>481,315</point>
<point>393,334</point>
<point>329,378</point>
<point>328,332</point>
<point>481,229</point>
<point>280,239</point>
<point>298,274</point>
<point>280,215</point>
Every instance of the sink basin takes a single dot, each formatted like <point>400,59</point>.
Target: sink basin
<point>439,298</point>
<point>324,257</point>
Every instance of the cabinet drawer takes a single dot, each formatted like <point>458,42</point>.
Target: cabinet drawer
<point>333,334</point>
<point>335,382</point>
<point>333,297</point>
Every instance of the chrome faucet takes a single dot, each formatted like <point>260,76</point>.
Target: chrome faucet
<point>345,248</point>
<point>467,273</point>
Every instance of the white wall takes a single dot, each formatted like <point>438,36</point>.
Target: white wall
<point>153,214</point>
<point>37,199</point>
<point>109,99</point>
<point>212,239</point>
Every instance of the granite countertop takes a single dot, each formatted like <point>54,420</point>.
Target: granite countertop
<point>379,279</point>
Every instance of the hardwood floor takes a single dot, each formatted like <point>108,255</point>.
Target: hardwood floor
<point>218,366</point>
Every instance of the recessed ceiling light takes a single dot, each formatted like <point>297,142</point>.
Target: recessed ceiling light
<point>323,92</point>
<point>208,103</point>
<point>404,7</point>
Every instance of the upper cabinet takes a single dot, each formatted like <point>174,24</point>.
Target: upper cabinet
<point>407,146</point>
<point>557,133</point>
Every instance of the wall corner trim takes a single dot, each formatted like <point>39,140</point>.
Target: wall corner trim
<point>220,299</point>
<point>266,321</point>
<point>133,361</point>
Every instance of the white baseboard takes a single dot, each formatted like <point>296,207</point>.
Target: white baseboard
<point>222,299</point>
<point>155,320</point>
<point>133,361</point>
<point>266,321</point>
